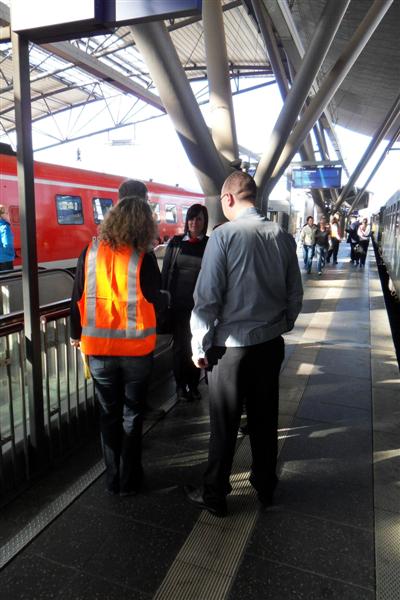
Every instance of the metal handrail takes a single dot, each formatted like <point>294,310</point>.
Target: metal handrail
<point>67,396</point>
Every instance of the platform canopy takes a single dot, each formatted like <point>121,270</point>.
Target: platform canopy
<point>107,71</point>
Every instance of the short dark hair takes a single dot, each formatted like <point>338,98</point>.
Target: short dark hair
<point>242,185</point>
<point>310,217</point>
<point>192,212</point>
<point>132,188</point>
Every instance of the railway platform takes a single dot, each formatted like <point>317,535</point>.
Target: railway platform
<point>334,530</point>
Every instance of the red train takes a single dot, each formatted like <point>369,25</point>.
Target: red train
<point>70,204</point>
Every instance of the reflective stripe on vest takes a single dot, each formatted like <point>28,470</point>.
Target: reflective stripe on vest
<point>132,330</point>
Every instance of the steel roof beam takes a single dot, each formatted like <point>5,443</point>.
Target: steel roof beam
<point>331,83</point>
<point>157,49</point>
<point>98,69</point>
<point>392,141</point>
<point>325,32</point>
<point>282,19</point>
<point>380,133</point>
<point>223,127</point>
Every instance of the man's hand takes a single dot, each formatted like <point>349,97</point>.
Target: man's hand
<point>75,343</point>
<point>201,363</point>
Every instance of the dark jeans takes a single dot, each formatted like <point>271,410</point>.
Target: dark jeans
<point>353,254</point>
<point>249,373</point>
<point>120,384</point>
<point>185,371</point>
<point>364,245</point>
<point>308,254</point>
<point>333,250</point>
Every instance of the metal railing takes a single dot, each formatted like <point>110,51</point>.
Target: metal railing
<point>68,396</point>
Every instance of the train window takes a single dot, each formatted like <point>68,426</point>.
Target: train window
<point>101,206</point>
<point>155,207</point>
<point>184,213</point>
<point>13,212</point>
<point>69,210</point>
<point>170,213</point>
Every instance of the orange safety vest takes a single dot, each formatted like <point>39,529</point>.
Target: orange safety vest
<point>116,318</point>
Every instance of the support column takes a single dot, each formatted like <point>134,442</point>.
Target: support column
<point>392,141</point>
<point>30,288</point>
<point>306,151</point>
<point>222,116</point>
<point>156,47</point>
<point>324,34</point>
<point>330,85</point>
<point>372,146</point>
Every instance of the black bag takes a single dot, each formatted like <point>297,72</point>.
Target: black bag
<point>164,320</point>
<point>359,250</point>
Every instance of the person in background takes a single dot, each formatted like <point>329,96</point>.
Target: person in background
<point>353,239</point>
<point>133,188</point>
<point>116,290</point>
<point>7,252</point>
<point>307,238</point>
<point>322,237</point>
<point>364,233</point>
<point>248,294</point>
<point>334,241</point>
<point>180,270</point>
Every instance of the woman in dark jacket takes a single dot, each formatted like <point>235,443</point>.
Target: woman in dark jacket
<point>180,270</point>
<point>322,237</point>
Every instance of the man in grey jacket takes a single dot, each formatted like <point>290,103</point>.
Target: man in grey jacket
<point>248,294</point>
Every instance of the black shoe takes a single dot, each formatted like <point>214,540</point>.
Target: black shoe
<point>194,495</point>
<point>266,495</point>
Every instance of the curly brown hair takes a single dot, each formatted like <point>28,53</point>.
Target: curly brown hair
<point>129,223</point>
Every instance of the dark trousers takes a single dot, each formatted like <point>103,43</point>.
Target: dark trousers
<point>333,250</point>
<point>353,254</point>
<point>363,255</point>
<point>121,384</point>
<point>248,374</point>
<point>185,371</point>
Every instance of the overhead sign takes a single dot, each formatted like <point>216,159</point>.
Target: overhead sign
<point>127,11</point>
<point>55,20</point>
<point>324,177</point>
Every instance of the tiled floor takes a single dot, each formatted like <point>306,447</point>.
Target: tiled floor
<point>316,543</point>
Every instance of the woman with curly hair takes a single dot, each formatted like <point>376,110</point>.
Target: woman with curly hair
<point>113,322</point>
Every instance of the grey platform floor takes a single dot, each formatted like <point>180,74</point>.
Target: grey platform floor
<point>334,529</point>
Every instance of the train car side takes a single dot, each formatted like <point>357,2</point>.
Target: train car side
<point>71,203</point>
<point>390,239</point>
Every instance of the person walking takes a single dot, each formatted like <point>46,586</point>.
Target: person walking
<point>307,238</point>
<point>113,322</point>
<point>248,293</point>
<point>322,237</point>
<point>335,238</point>
<point>180,270</point>
<point>364,234</point>
<point>7,251</point>
<point>353,239</point>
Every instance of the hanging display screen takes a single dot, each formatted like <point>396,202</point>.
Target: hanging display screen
<point>322,177</point>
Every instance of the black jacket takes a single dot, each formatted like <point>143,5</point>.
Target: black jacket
<point>179,276</point>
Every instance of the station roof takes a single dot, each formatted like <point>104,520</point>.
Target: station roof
<point>94,71</point>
